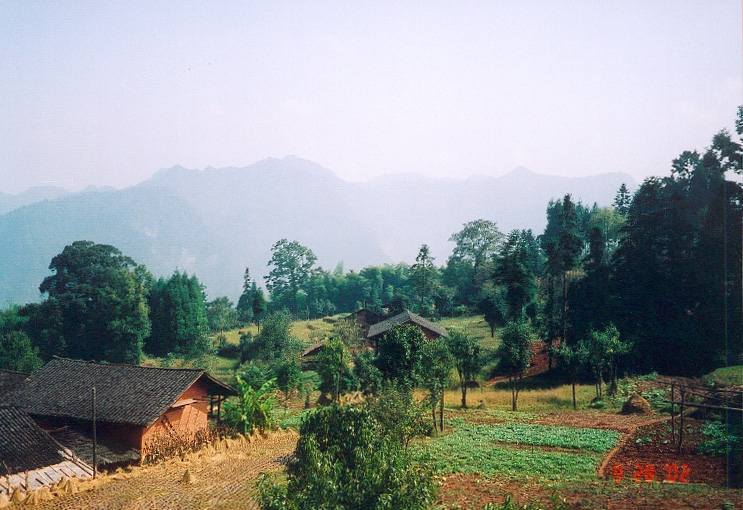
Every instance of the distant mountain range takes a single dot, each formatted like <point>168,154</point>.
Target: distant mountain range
<point>217,221</point>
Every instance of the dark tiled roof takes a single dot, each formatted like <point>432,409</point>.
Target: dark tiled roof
<point>10,381</point>
<point>23,445</point>
<point>124,393</point>
<point>404,318</point>
<point>313,350</point>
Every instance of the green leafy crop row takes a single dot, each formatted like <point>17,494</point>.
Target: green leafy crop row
<point>594,440</point>
<point>481,449</point>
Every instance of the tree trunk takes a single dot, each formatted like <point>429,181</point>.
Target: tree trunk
<point>441,412</point>
<point>564,305</point>
<point>463,383</point>
<point>336,390</point>
<point>575,407</point>
<point>433,413</point>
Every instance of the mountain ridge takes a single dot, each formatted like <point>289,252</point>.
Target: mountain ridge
<point>217,221</point>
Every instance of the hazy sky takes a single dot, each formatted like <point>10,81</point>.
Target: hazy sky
<point>106,93</point>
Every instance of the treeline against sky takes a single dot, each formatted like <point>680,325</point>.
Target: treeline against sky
<point>662,265</point>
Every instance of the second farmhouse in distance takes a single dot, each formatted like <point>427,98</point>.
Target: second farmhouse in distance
<point>430,330</point>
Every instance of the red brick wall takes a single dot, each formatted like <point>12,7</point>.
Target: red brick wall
<point>185,420</point>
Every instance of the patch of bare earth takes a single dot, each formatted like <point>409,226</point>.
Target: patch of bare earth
<point>470,491</point>
<point>625,424</point>
<point>219,478</point>
<point>651,454</point>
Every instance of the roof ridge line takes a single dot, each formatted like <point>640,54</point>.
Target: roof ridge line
<point>126,365</point>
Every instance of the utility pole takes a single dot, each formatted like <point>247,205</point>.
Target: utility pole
<point>95,442</point>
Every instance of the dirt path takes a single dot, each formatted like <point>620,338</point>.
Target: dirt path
<point>222,478</point>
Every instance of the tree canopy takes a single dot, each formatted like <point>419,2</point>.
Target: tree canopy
<point>467,358</point>
<point>476,242</point>
<point>399,354</point>
<point>179,319</point>
<point>514,355</point>
<point>101,295</point>
<point>291,268</point>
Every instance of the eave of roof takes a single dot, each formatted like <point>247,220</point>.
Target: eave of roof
<point>402,318</point>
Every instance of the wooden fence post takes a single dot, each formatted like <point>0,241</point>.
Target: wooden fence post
<point>673,412</point>
<point>681,422</point>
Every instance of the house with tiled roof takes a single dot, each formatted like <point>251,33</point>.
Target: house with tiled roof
<point>430,330</point>
<point>10,381</point>
<point>30,457</point>
<point>133,404</point>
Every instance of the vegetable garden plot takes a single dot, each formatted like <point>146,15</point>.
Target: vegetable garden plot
<point>519,450</point>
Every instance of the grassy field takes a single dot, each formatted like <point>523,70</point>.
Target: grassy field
<point>537,400</point>
<point>476,327</point>
<point>729,375</point>
<point>309,331</point>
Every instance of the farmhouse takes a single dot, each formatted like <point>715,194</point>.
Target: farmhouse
<point>133,404</point>
<point>31,458</point>
<point>430,330</point>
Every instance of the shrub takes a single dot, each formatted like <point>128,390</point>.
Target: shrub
<point>246,346</point>
<point>399,354</point>
<point>231,351</point>
<point>253,375</point>
<point>399,414</point>
<point>515,356</point>
<point>597,403</point>
<point>367,373</point>
<point>332,366</point>
<point>655,398</point>
<point>344,459</point>
<point>273,342</point>
<point>719,440</point>
<point>726,440</point>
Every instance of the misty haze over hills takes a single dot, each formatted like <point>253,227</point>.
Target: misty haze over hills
<point>215,222</point>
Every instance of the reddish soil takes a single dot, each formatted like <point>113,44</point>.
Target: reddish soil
<point>539,363</point>
<point>473,492</point>
<point>626,424</point>
<point>650,454</point>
